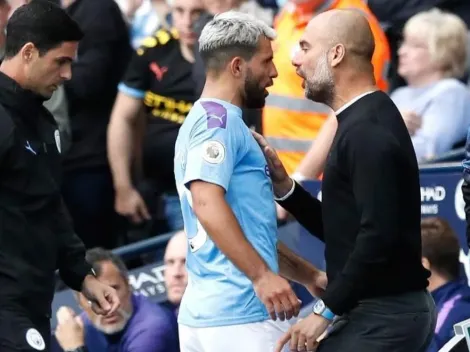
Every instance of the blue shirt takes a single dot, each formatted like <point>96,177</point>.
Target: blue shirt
<point>444,107</point>
<point>214,145</point>
<point>453,306</point>
<point>151,328</point>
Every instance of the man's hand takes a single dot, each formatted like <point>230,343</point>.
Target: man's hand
<point>130,204</point>
<point>305,334</point>
<point>102,298</point>
<point>282,183</point>
<point>277,295</point>
<point>318,285</point>
<point>412,120</point>
<point>70,332</point>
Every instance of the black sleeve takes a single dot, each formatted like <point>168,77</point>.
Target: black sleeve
<point>136,80</point>
<point>370,169</point>
<point>306,209</point>
<point>72,264</point>
<point>91,70</point>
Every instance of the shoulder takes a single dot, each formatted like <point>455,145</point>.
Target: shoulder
<point>151,315</point>
<point>158,43</point>
<point>213,115</point>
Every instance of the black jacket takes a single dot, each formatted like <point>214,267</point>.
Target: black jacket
<point>103,55</point>
<point>36,236</point>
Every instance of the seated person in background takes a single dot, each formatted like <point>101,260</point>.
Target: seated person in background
<point>139,325</point>
<point>441,249</point>
<point>175,275</point>
<point>435,104</point>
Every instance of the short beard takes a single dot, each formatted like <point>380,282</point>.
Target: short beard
<point>320,87</point>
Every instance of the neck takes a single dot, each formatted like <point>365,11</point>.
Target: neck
<point>350,88</point>
<point>436,281</point>
<point>187,52</point>
<point>217,88</point>
<point>424,80</point>
<point>10,69</point>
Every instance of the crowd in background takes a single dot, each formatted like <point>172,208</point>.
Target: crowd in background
<point>138,72</point>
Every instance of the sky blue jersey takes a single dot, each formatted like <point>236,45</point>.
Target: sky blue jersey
<point>214,145</point>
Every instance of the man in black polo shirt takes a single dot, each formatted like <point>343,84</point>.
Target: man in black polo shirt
<point>159,79</point>
<point>369,217</point>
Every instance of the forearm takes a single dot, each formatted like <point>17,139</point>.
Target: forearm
<point>226,233</point>
<point>313,164</point>
<point>121,141</point>
<point>293,267</point>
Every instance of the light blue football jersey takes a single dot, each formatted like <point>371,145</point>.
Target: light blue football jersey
<point>214,145</point>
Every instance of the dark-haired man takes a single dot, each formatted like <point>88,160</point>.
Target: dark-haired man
<point>139,325</point>
<point>36,237</point>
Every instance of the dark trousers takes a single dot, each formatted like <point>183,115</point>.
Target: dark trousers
<point>89,197</point>
<point>22,333</point>
<point>403,323</point>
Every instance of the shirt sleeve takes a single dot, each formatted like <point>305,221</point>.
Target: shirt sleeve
<point>370,169</point>
<point>136,80</point>
<point>215,146</point>
<point>442,123</point>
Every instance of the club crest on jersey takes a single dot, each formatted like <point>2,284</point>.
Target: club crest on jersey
<point>35,340</point>
<point>213,152</point>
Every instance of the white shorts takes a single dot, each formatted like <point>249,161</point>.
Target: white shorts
<point>252,337</point>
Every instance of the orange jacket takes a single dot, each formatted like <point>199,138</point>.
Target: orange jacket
<point>291,122</point>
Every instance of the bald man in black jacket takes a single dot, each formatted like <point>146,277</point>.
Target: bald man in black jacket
<point>369,218</point>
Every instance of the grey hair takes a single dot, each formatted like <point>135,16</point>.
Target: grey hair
<point>229,34</point>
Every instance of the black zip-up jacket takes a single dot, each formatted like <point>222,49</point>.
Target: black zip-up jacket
<point>36,235</point>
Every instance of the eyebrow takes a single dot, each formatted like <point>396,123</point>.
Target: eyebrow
<point>64,58</point>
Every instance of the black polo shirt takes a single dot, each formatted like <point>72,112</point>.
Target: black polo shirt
<point>160,75</point>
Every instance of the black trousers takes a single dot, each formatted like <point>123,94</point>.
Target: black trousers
<point>22,333</point>
<point>403,323</point>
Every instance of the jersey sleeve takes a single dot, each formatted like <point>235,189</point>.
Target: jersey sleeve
<point>138,77</point>
<point>136,80</point>
<point>215,146</point>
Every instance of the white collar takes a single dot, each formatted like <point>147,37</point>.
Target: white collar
<point>348,104</point>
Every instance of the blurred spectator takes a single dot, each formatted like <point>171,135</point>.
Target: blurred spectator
<point>435,104</point>
<point>394,14</point>
<point>158,82</point>
<point>291,122</point>
<point>441,250</point>
<point>139,325</point>
<point>5,9</point>
<point>103,55</point>
<point>176,276</point>
<point>144,17</point>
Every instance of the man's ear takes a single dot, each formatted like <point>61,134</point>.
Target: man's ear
<point>237,66</point>
<point>426,263</point>
<point>337,54</point>
<point>29,52</point>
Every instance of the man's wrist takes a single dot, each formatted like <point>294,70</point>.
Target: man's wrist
<point>322,310</point>
<point>284,190</point>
